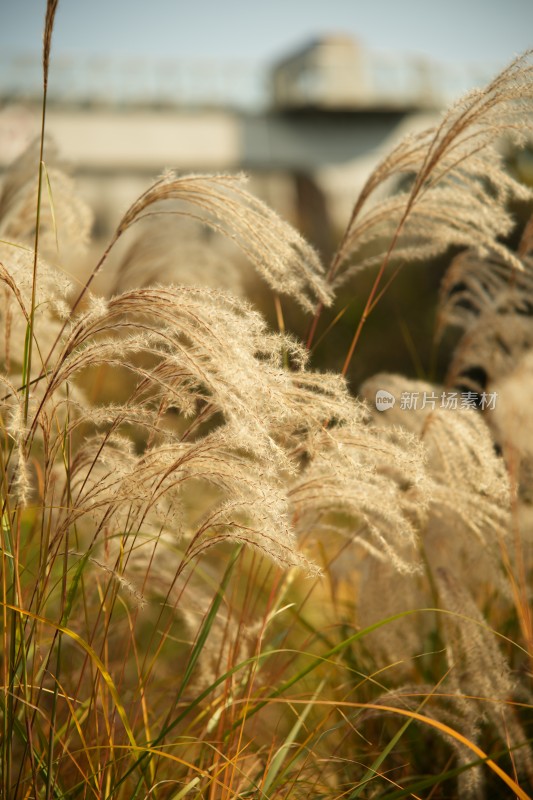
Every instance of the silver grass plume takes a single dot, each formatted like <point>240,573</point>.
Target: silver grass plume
<point>166,250</point>
<point>283,258</point>
<point>368,484</point>
<point>16,289</point>
<point>480,670</point>
<point>206,359</point>
<point>466,477</point>
<point>14,433</point>
<point>470,481</point>
<point>492,304</point>
<point>465,517</point>
<point>65,219</point>
<point>458,188</point>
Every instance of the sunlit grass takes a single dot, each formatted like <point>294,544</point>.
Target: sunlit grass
<point>223,576</point>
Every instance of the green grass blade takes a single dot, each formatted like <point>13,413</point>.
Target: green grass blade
<point>193,659</point>
<point>279,757</point>
<point>372,771</point>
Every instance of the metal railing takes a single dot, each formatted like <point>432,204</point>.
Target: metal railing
<point>238,84</point>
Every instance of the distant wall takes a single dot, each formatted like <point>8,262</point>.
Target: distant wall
<point>116,154</point>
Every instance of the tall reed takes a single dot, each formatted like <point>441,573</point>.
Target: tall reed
<point>223,575</point>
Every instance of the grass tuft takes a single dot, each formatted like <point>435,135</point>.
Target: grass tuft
<point>223,574</point>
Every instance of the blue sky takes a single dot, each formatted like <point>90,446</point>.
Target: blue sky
<point>489,31</point>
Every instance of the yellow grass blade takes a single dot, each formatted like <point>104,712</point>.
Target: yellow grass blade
<point>94,658</point>
<point>441,726</point>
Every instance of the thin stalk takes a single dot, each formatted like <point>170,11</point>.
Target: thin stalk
<point>51,738</point>
<point>375,286</point>
<point>196,651</point>
<point>67,455</point>
<point>7,567</point>
<point>28,346</point>
<point>51,8</point>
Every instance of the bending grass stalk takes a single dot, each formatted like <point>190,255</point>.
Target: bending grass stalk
<point>369,305</point>
<point>94,658</point>
<point>372,771</point>
<point>433,780</point>
<point>441,726</point>
<point>319,660</point>
<point>274,696</point>
<point>346,642</point>
<point>147,750</point>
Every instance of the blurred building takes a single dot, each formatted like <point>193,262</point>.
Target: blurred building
<point>326,73</point>
<point>336,73</point>
<point>308,129</point>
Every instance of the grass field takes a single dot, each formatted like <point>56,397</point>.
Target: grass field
<point>226,575</point>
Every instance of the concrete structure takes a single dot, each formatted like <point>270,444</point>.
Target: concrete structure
<point>335,73</point>
<point>309,166</point>
<point>326,73</point>
<point>333,111</point>
<point>115,154</point>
